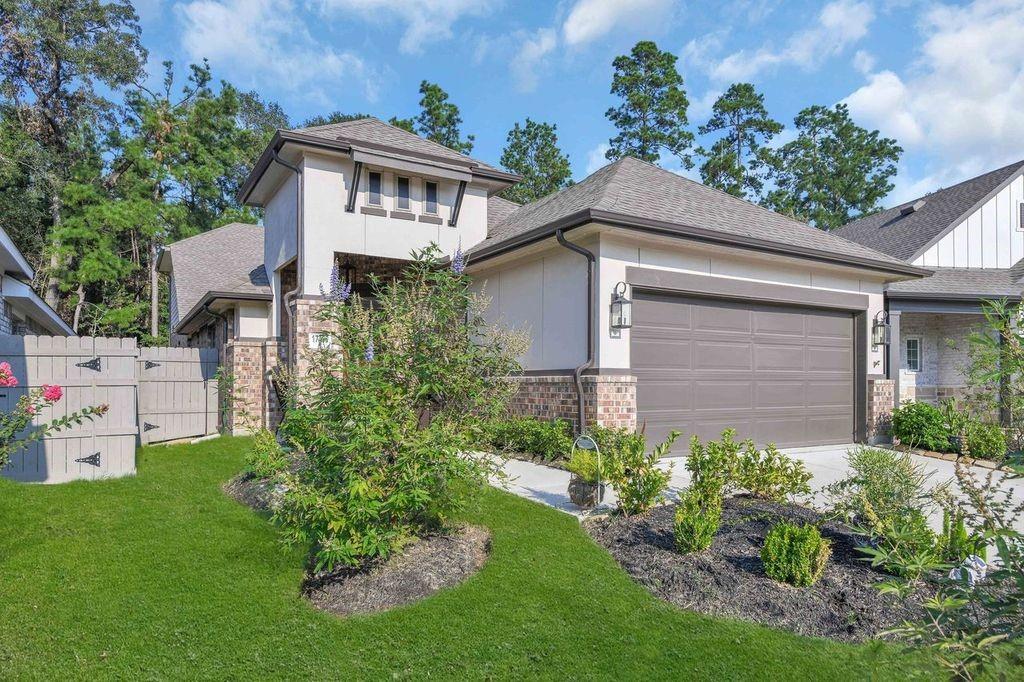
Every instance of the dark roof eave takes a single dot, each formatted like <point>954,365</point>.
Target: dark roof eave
<point>281,137</point>
<point>212,296</point>
<point>687,231</point>
<point>940,296</point>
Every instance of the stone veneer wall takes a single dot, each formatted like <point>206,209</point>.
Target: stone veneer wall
<point>608,400</point>
<point>943,354</point>
<point>6,323</point>
<point>881,401</point>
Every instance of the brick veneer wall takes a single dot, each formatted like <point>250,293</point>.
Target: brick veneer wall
<point>881,400</point>
<point>255,403</point>
<point>306,323</point>
<point>607,400</point>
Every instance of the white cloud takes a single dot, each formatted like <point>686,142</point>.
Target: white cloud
<point>840,23</point>
<point>700,108</point>
<point>864,61</point>
<point>589,20</point>
<point>699,53</point>
<point>261,41</point>
<point>596,158</point>
<point>426,21</point>
<point>962,101</point>
<point>533,50</point>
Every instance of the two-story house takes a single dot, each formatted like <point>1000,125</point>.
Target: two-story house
<point>651,300</point>
<point>22,312</point>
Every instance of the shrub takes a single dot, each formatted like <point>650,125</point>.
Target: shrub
<point>920,425</point>
<point>882,485</point>
<point>583,463</point>
<point>730,465</point>
<point>267,458</point>
<point>770,475</point>
<point>903,546</point>
<point>795,554</point>
<point>550,440</point>
<point>984,441</point>
<point>635,475</point>
<point>956,543</point>
<point>388,412</point>
<point>613,441</point>
<point>697,519</point>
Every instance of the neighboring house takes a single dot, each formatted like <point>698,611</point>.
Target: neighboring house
<point>972,236</point>
<point>22,312</point>
<point>740,317</point>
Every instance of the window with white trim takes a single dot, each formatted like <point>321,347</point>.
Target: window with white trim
<point>402,194</point>
<point>913,352</point>
<point>373,188</point>
<point>430,197</point>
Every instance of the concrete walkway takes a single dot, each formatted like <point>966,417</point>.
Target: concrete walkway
<point>549,486</point>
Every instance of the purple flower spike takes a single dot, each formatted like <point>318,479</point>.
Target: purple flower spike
<point>369,351</point>
<point>335,282</point>
<point>458,262</point>
<point>346,291</point>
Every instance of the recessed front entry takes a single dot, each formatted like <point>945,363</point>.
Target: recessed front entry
<point>775,373</point>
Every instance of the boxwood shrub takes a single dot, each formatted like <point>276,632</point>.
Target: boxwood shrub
<point>549,440</point>
<point>920,425</point>
<point>795,554</point>
<point>985,441</point>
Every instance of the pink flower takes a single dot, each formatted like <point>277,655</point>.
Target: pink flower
<point>31,409</point>
<point>52,392</point>
<point>7,378</point>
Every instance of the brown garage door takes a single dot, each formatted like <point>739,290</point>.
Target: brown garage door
<point>779,374</point>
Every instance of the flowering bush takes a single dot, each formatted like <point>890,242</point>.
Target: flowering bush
<point>392,407</point>
<point>27,407</point>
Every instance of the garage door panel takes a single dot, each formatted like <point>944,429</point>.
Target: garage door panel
<point>781,374</point>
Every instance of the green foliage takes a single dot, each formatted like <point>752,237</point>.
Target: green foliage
<point>730,465</point>
<point>550,440</point>
<point>956,543</point>
<point>584,464</point>
<point>532,152</point>
<point>697,519</point>
<point>267,458</point>
<point>795,554</point>
<point>920,425</point>
<point>651,117</point>
<point>971,625</point>
<point>882,485</point>
<point>439,120</point>
<point>834,170</point>
<point>904,546</point>
<point>984,441</point>
<point>406,124</point>
<point>995,371</point>
<point>395,402</point>
<point>332,117</point>
<point>634,473</point>
<point>613,441</point>
<point>739,161</point>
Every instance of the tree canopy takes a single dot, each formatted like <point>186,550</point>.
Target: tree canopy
<point>532,152</point>
<point>651,117</point>
<point>439,120</point>
<point>834,170</point>
<point>738,161</point>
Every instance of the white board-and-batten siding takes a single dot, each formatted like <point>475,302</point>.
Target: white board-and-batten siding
<point>990,237</point>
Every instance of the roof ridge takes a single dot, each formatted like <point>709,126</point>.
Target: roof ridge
<point>1016,164</point>
<point>209,232</point>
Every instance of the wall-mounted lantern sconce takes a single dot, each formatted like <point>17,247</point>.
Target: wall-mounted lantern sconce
<point>880,329</point>
<point>622,308</point>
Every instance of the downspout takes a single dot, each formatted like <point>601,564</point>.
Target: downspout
<point>222,402</point>
<point>577,374</point>
<point>290,296</point>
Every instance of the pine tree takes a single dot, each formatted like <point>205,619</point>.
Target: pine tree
<point>439,120</point>
<point>532,152</point>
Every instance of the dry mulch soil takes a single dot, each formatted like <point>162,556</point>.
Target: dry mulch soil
<point>424,567</point>
<point>729,580</point>
<point>421,569</point>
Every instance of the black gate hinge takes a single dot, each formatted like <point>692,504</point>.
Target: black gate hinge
<point>93,459</point>
<point>146,426</point>
<point>93,364</point>
<point>150,364</point>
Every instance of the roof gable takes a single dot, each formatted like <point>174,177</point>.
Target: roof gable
<point>906,234</point>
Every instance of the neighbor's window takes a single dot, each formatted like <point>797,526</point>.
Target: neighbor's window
<point>373,182</point>
<point>430,192</point>
<point>402,194</point>
<point>914,355</point>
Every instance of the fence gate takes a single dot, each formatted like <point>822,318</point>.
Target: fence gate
<point>92,371</point>
<point>177,393</point>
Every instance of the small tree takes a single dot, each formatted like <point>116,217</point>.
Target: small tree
<point>995,368</point>
<point>401,395</point>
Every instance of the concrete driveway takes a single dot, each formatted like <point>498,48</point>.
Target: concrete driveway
<point>827,463</point>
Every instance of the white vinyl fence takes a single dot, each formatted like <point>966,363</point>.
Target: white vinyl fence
<point>154,394</point>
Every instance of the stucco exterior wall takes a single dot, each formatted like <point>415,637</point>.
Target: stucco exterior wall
<point>617,252</point>
<point>329,229</point>
<point>252,320</point>
<point>279,226</point>
<point>991,237</point>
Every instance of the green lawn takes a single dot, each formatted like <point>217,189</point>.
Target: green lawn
<point>162,576</point>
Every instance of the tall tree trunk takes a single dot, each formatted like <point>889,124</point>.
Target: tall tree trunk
<point>52,282</point>
<point>78,307</point>
<point>154,292</point>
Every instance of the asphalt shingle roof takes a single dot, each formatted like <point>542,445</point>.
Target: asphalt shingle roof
<point>498,209</point>
<point>228,259</point>
<point>904,236</point>
<point>376,131</point>
<point>974,282</point>
<point>636,189</point>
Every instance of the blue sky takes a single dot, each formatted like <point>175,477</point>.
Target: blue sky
<point>945,79</point>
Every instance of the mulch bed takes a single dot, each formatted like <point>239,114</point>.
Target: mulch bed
<point>422,568</point>
<point>728,579</point>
